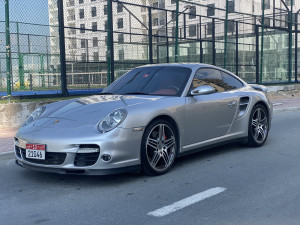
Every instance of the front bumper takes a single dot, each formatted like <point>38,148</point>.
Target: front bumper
<point>82,171</point>
<point>63,146</point>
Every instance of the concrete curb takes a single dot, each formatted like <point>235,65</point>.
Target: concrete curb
<point>291,109</point>
<point>7,155</point>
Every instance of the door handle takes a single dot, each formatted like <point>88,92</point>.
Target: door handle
<point>232,103</point>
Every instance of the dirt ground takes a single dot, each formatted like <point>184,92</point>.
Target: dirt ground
<point>284,94</point>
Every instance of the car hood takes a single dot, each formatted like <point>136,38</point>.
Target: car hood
<point>88,110</point>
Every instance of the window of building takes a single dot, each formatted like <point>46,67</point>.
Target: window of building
<point>73,43</point>
<point>80,1</point>
<point>81,13</point>
<point>155,22</point>
<point>161,4</point>
<point>82,28</point>
<point>93,0</point>
<point>230,26</point>
<point>120,23</point>
<point>267,22</point>
<point>192,14</point>
<point>209,28</point>
<point>210,9</point>
<point>121,54</point>
<point>119,8</point>
<point>155,4</point>
<point>105,25</point>
<point>82,43</point>
<point>267,4</point>
<point>173,15</point>
<point>173,1</point>
<point>192,30</point>
<point>95,41</point>
<point>94,11</point>
<point>94,26</point>
<point>83,57</point>
<point>105,9</point>
<point>289,2</point>
<point>96,56</point>
<point>266,42</point>
<point>231,6</point>
<point>121,38</point>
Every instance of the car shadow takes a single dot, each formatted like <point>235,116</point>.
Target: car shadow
<point>121,179</point>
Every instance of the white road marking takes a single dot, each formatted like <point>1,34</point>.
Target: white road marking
<point>279,103</point>
<point>186,202</point>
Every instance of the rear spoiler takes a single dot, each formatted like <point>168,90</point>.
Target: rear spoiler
<point>258,87</point>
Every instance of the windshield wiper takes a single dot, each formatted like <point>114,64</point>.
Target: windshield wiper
<point>136,93</point>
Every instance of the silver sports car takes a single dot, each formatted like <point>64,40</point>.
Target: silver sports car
<point>144,121</point>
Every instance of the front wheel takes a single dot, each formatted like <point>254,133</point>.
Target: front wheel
<point>159,146</point>
<point>258,128</point>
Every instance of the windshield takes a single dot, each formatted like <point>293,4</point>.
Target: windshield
<point>156,80</point>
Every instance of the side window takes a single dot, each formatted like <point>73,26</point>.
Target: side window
<point>210,77</point>
<point>231,82</point>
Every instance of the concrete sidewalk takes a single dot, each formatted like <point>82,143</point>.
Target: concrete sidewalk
<point>7,135</point>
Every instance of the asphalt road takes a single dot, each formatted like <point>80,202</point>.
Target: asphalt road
<point>258,186</point>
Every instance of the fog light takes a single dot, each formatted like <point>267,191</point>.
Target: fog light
<point>88,150</point>
<point>106,157</point>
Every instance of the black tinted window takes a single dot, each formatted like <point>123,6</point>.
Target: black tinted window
<point>231,81</point>
<point>157,80</point>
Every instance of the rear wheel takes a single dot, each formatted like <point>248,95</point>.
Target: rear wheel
<point>159,146</point>
<point>258,128</point>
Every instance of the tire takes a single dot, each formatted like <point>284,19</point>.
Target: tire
<point>258,128</point>
<point>159,147</point>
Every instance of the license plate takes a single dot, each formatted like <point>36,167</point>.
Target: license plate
<point>34,151</point>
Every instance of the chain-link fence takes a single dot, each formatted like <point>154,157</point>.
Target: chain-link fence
<point>80,46</point>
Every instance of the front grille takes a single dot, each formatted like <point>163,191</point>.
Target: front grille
<point>51,158</point>
<point>86,159</point>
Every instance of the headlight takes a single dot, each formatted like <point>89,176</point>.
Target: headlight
<point>112,120</point>
<point>36,114</point>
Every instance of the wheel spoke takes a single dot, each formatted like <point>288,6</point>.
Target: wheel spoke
<point>256,134</point>
<point>155,159</point>
<point>152,143</point>
<point>263,134</point>
<point>259,114</point>
<point>263,121</point>
<point>165,157</point>
<point>254,123</point>
<point>170,142</point>
<point>161,132</point>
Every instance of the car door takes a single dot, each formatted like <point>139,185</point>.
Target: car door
<point>209,116</point>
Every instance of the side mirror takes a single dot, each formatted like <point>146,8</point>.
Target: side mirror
<point>203,90</point>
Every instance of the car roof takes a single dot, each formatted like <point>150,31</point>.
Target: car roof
<point>187,65</point>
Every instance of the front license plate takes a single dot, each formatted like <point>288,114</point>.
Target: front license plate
<point>35,151</point>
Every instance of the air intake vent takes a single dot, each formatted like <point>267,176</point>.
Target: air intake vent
<point>87,155</point>
<point>244,102</point>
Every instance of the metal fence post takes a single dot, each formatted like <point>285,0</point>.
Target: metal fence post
<point>110,44</point>
<point>8,49</point>
<point>62,46</point>
<point>262,42</point>
<point>237,49</point>
<point>296,47</point>
<point>176,31</point>
<point>290,42</point>
<point>150,37</point>
<point>257,54</point>
<point>225,35</point>
<point>20,57</point>
<point>214,40</point>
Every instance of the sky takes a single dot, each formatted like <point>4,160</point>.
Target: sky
<point>29,11</point>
